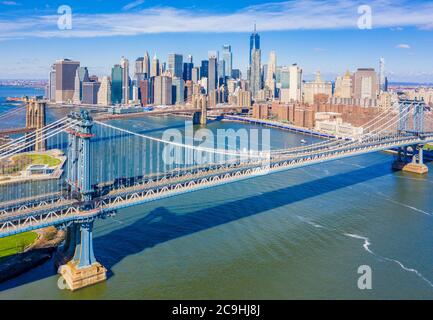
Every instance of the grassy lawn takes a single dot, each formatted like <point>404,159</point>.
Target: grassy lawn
<point>16,243</point>
<point>428,147</point>
<point>20,162</point>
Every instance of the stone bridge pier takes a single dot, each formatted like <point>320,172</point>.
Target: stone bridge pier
<point>413,163</point>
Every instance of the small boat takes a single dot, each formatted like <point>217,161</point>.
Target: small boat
<point>303,141</point>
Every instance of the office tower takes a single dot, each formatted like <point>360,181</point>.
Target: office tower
<point>271,71</point>
<point>178,94</point>
<point>254,43</point>
<point>195,73</point>
<point>318,86</point>
<point>255,72</point>
<point>146,65</point>
<point>236,74</point>
<point>155,67</point>
<point>232,84</point>
<point>65,79</point>
<point>295,85</point>
<point>175,65</point>
<point>365,84</point>
<point>90,92</point>
<point>124,63</point>
<point>189,59</point>
<point>221,72</point>
<point>204,68</point>
<point>212,74</point>
<point>382,81</point>
<point>52,84</point>
<point>81,75</point>
<point>104,93</point>
<point>343,86</point>
<point>187,71</point>
<point>188,91</point>
<point>116,84</point>
<point>228,60</point>
<point>139,65</point>
<point>162,90</point>
<point>145,92</point>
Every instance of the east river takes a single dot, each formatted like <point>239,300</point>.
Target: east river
<point>298,234</point>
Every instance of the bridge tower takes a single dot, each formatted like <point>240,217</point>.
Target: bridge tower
<point>35,120</point>
<point>416,165</point>
<point>82,270</point>
<point>200,117</point>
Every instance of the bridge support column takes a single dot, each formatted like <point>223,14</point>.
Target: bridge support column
<point>83,270</point>
<point>416,165</point>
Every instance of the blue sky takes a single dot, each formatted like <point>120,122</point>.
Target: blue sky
<point>318,35</point>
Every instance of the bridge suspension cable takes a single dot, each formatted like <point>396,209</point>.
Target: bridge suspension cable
<point>12,112</point>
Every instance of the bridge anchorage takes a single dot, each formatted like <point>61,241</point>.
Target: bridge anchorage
<point>80,268</point>
<point>413,126</point>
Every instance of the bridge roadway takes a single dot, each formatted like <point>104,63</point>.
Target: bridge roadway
<point>58,210</point>
<point>7,132</point>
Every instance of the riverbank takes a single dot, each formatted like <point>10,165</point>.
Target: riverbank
<point>36,254</point>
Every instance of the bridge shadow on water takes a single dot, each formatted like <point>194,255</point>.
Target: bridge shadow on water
<point>162,225</point>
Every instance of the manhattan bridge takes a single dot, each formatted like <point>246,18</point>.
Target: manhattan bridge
<point>106,168</point>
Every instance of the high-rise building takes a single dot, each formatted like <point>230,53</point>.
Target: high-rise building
<point>271,72</point>
<point>65,79</point>
<point>318,86</point>
<point>187,71</point>
<point>195,74</point>
<point>343,86</point>
<point>146,65</point>
<point>104,93</point>
<point>212,74</point>
<point>155,71</point>
<point>124,63</point>
<point>228,60</point>
<point>255,72</point>
<point>162,90</point>
<point>254,42</point>
<point>52,84</point>
<point>138,66</point>
<point>382,80</point>
<point>365,85</point>
<point>295,86</point>
<point>221,72</point>
<point>175,65</point>
<point>145,92</point>
<point>178,94</point>
<point>116,84</point>
<point>236,74</point>
<point>81,75</point>
<point>90,92</point>
<point>204,69</point>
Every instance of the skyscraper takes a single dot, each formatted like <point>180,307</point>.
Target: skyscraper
<point>124,63</point>
<point>187,70</point>
<point>254,42</point>
<point>295,87</point>
<point>162,90</point>
<point>116,84</point>
<point>175,65</point>
<point>146,65</point>
<point>195,74</point>
<point>212,74</point>
<point>255,72</point>
<point>81,75</point>
<point>90,92</point>
<point>272,67</point>
<point>228,60</point>
<point>365,84</point>
<point>104,93</point>
<point>178,95</point>
<point>204,68</point>
<point>382,81</point>
<point>65,79</point>
<point>155,67</point>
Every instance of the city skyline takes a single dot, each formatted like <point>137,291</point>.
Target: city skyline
<point>330,48</point>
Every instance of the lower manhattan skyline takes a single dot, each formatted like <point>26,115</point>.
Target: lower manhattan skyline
<point>326,38</point>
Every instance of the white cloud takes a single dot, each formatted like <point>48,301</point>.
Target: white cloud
<point>288,15</point>
<point>133,4</point>
<point>9,3</point>
<point>403,46</point>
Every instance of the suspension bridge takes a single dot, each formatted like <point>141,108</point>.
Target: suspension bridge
<point>109,168</point>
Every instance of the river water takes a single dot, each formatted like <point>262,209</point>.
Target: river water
<point>297,234</point>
